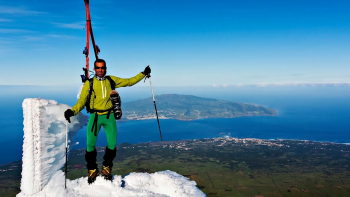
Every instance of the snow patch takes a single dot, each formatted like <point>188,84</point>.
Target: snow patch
<point>159,184</point>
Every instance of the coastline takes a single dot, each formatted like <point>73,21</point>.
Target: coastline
<point>167,118</point>
<point>215,138</point>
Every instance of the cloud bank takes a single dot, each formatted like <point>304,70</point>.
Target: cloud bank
<point>284,84</point>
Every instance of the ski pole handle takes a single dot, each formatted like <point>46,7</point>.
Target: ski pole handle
<point>147,76</point>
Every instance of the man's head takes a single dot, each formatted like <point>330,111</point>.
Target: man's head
<point>100,67</point>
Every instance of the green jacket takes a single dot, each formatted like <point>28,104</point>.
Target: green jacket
<point>102,90</point>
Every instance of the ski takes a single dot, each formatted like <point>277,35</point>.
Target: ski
<point>89,32</point>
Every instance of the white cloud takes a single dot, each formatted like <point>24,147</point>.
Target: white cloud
<point>4,41</point>
<point>62,36</point>
<point>33,38</point>
<point>261,84</point>
<point>17,10</point>
<point>11,31</point>
<point>5,20</point>
<point>70,25</point>
<point>283,84</point>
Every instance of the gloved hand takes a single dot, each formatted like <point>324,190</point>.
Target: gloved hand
<point>147,71</point>
<point>67,114</point>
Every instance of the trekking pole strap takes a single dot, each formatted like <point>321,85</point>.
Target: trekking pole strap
<point>150,81</point>
<point>94,125</point>
<point>109,113</point>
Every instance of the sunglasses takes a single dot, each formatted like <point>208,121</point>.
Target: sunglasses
<point>103,67</point>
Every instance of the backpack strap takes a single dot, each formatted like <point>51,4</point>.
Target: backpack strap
<point>111,82</point>
<point>87,104</point>
<point>91,83</point>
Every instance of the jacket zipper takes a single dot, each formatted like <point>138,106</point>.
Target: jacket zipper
<point>102,90</point>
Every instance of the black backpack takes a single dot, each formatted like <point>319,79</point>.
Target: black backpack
<point>87,104</point>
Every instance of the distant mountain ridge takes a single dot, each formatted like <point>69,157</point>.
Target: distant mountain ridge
<point>188,107</point>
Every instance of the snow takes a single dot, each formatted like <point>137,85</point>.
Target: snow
<point>44,144</point>
<point>159,184</point>
<point>44,156</point>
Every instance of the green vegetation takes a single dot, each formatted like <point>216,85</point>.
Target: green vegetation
<point>228,166</point>
<point>10,179</point>
<point>187,107</point>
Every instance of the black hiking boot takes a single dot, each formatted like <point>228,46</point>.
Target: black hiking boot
<point>90,158</point>
<point>92,175</point>
<point>108,163</point>
<point>107,173</point>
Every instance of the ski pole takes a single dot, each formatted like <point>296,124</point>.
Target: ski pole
<point>155,107</point>
<point>65,180</point>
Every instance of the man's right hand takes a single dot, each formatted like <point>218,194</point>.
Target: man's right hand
<point>67,114</point>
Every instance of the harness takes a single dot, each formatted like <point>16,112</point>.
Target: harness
<point>87,104</point>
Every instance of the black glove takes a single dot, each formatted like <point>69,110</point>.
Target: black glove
<point>147,71</point>
<point>67,114</point>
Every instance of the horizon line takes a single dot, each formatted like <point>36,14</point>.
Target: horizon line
<point>343,84</point>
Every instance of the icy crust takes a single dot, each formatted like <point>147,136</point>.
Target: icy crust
<point>44,141</point>
<point>159,184</point>
<point>167,183</point>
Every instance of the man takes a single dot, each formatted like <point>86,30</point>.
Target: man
<point>102,115</point>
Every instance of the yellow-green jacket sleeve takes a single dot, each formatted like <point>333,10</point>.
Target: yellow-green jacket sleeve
<point>120,82</point>
<point>82,100</point>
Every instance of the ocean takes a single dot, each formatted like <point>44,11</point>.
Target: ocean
<point>305,113</point>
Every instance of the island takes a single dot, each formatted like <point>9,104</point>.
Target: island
<point>188,107</point>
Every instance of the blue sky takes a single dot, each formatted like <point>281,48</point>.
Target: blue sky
<point>187,43</point>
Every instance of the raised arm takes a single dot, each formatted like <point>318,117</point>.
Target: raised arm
<point>120,82</point>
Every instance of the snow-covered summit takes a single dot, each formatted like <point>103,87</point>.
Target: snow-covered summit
<point>159,184</point>
<point>44,156</point>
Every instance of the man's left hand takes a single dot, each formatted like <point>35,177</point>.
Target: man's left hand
<point>147,71</point>
<point>67,114</point>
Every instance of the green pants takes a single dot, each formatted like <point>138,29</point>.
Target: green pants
<point>110,126</point>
